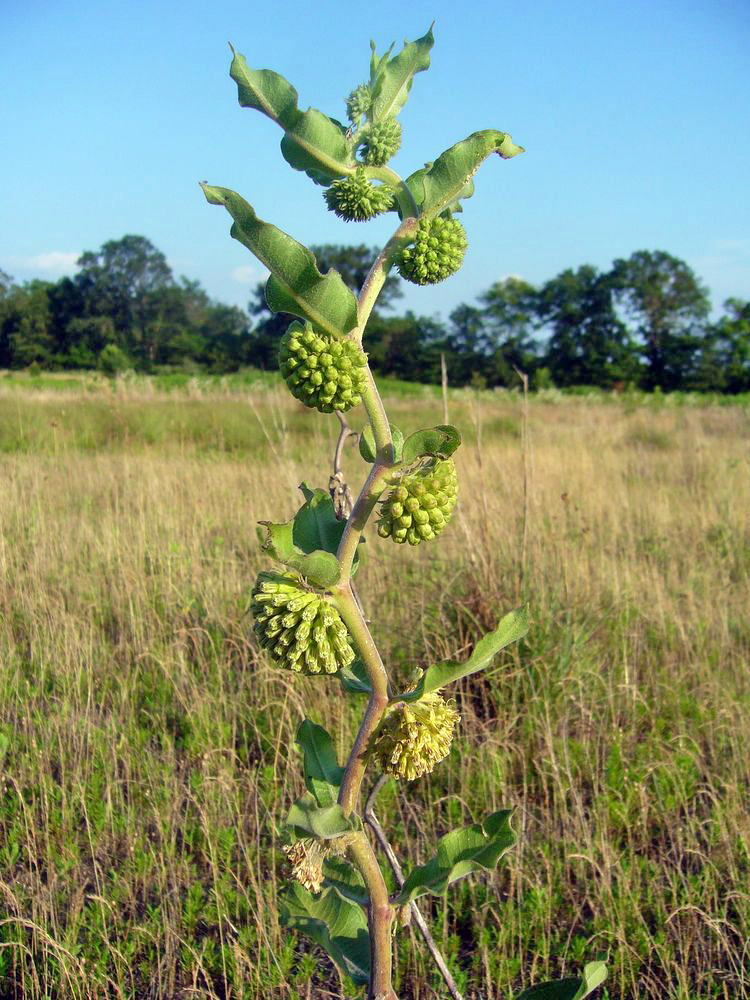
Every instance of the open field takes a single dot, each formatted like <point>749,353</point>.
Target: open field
<point>146,746</point>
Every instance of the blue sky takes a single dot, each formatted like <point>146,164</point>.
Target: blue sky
<point>635,117</point>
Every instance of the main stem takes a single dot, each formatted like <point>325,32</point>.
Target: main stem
<point>379,909</point>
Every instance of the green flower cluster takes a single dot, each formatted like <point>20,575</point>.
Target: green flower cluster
<point>322,372</point>
<point>421,503</point>
<point>298,627</point>
<point>381,141</point>
<point>437,252</point>
<point>414,737</point>
<point>358,103</point>
<point>355,199</point>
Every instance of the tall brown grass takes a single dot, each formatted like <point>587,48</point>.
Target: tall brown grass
<point>147,747</point>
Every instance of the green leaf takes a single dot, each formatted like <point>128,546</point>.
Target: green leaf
<point>345,879</point>
<point>354,678</point>
<point>296,285</point>
<point>318,567</point>
<point>334,923</point>
<point>459,853</point>
<point>440,185</point>
<point>391,79</point>
<point>309,542</point>
<point>511,628</point>
<point>441,441</point>
<point>322,772</point>
<point>312,141</point>
<point>367,443</point>
<point>321,822</point>
<point>4,744</point>
<point>573,988</point>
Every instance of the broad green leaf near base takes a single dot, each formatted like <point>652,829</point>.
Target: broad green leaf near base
<point>459,853</point>
<point>574,988</point>
<point>441,184</point>
<point>391,79</point>
<point>321,767</point>
<point>296,285</point>
<point>312,141</point>
<point>512,627</point>
<point>345,879</point>
<point>334,923</point>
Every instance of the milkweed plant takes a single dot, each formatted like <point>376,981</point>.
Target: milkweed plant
<point>307,617</point>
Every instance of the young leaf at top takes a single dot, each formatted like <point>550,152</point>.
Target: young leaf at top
<point>322,772</point>
<point>460,852</point>
<point>308,819</point>
<point>312,141</point>
<point>573,988</point>
<point>334,923</point>
<point>440,185</point>
<point>513,626</point>
<point>391,79</point>
<point>440,441</point>
<point>296,285</point>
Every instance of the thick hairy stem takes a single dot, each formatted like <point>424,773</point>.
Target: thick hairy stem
<point>379,919</point>
<point>379,272</point>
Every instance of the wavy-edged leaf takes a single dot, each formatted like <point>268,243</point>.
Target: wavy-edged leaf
<point>334,923</point>
<point>441,184</point>
<point>319,568</point>
<point>307,818</point>
<point>391,79</point>
<point>312,141</point>
<point>322,772</point>
<point>296,285</point>
<point>573,988</point>
<point>512,627</point>
<point>367,443</point>
<point>440,441</point>
<point>354,678</point>
<point>459,853</point>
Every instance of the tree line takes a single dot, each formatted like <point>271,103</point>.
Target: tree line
<point>644,322</point>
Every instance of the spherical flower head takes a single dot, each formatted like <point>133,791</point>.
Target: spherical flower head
<point>306,858</point>
<point>355,199</point>
<point>300,629</point>
<point>322,372</point>
<point>382,141</point>
<point>414,737</point>
<point>421,502</point>
<point>437,252</point>
<point>358,103</point>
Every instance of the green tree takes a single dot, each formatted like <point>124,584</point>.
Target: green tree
<point>724,362</point>
<point>667,308</point>
<point>510,310</point>
<point>588,343</point>
<point>30,333</point>
<point>123,280</point>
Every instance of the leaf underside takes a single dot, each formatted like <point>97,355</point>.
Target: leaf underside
<point>336,924</point>
<point>573,988</point>
<point>321,768</point>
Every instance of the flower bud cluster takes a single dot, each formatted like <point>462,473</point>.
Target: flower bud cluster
<point>355,199</point>
<point>358,103</point>
<point>421,503</point>
<point>298,627</point>
<point>414,737</point>
<point>437,252</point>
<point>306,858</point>
<point>381,141</point>
<point>322,372</point>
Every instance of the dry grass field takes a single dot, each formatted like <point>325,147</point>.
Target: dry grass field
<point>147,747</point>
